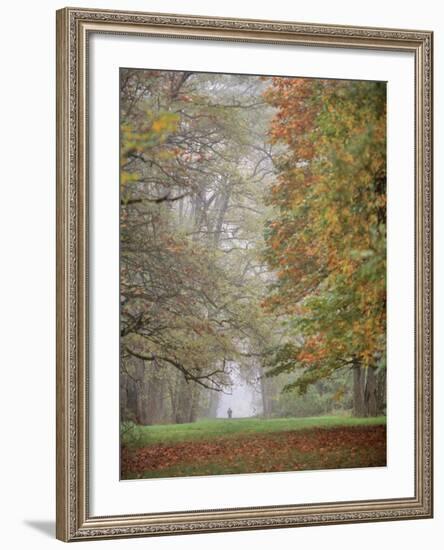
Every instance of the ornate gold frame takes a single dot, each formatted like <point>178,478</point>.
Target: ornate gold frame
<point>73,519</point>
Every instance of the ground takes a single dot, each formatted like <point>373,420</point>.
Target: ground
<point>223,446</point>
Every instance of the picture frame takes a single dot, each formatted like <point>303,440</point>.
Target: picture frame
<point>76,519</point>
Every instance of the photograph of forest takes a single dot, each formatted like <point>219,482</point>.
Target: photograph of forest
<point>252,273</point>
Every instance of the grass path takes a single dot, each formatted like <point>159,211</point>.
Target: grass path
<point>204,430</point>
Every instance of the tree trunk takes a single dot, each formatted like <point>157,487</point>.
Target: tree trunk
<point>358,391</point>
<point>183,401</point>
<point>265,407</point>
<point>194,404</point>
<point>381,390</point>
<point>140,408</point>
<point>225,200</point>
<point>172,388</point>
<point>214,402</point>
<point>128,399</point>
<point>370,393</point>
<point>365,401</point>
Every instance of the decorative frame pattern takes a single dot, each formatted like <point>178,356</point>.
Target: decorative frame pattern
<point>73,519</point>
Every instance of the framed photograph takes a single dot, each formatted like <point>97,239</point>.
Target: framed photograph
<point>244,274</point>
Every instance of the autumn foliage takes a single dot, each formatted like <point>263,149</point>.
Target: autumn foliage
<point>326,240</point>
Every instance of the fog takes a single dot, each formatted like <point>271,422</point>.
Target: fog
<point>243,399</point>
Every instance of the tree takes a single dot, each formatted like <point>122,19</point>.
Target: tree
<point>193,163</point>
<point>326,239</point>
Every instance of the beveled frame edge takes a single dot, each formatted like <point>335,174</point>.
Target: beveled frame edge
<point>72,518</point>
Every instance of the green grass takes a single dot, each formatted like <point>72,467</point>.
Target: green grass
<point>141,436</point>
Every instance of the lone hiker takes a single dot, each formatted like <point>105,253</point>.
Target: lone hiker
<point>229,412</point>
